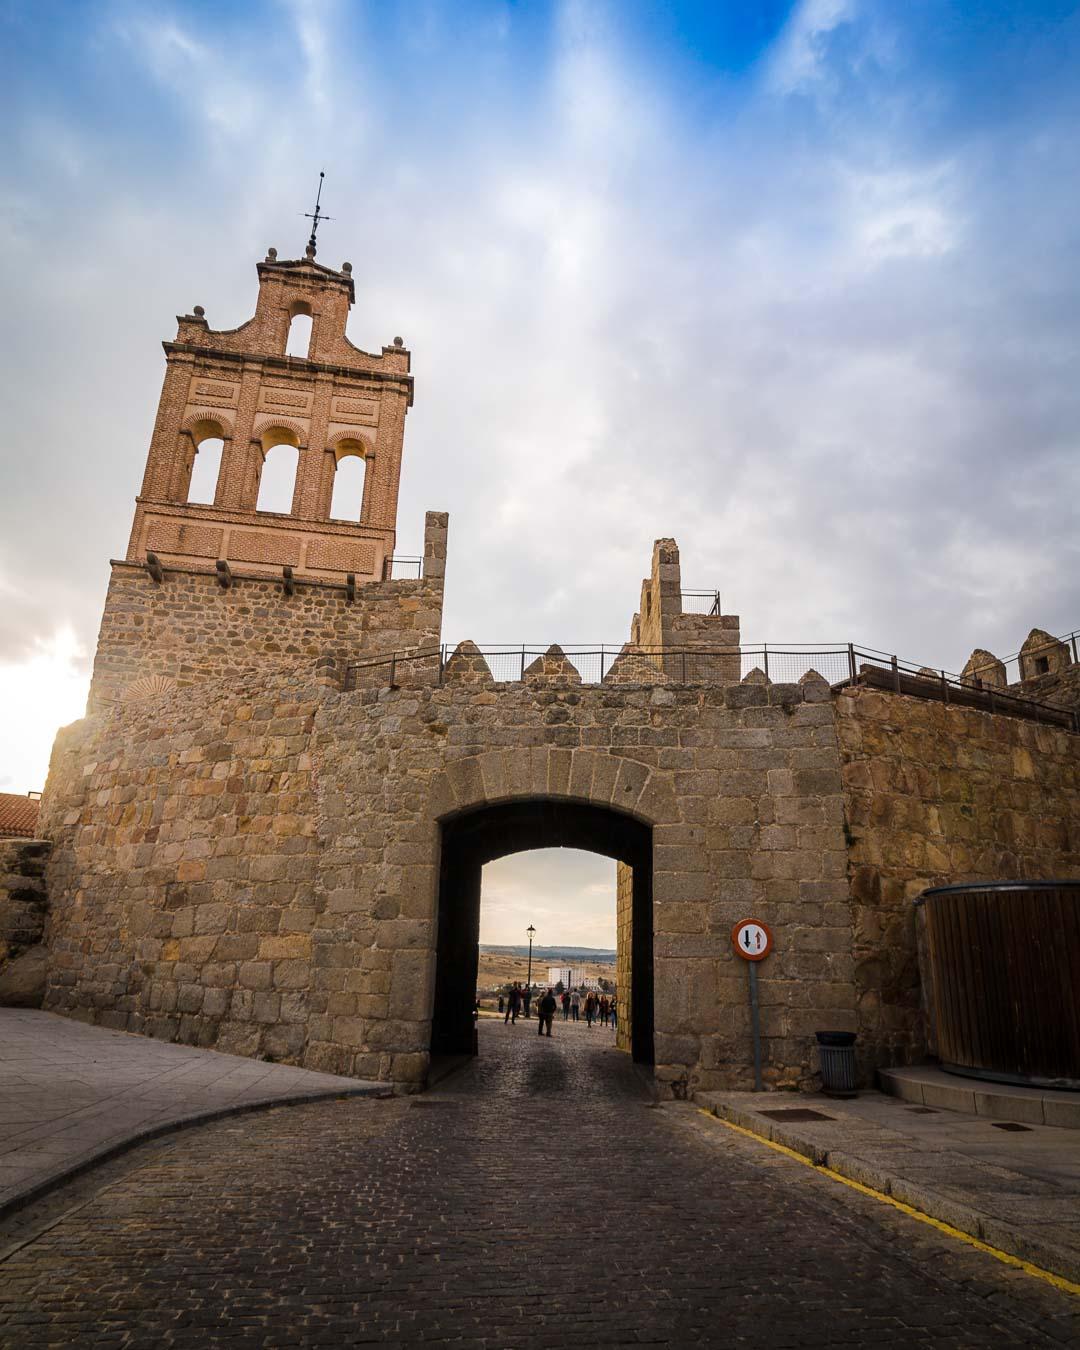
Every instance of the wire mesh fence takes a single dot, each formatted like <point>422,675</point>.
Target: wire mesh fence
<point>701,602</point>
<point>398,568</point>
<point>590,664</point>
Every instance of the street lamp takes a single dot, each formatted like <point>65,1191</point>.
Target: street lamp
<point>528,978</point>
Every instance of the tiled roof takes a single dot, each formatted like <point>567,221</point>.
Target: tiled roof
<point>18,816</point>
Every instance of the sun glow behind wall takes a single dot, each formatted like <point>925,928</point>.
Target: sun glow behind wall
<point>43,691</point>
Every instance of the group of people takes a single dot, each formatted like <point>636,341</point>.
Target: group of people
<point>594,1007</point>
<point>597,1008</point>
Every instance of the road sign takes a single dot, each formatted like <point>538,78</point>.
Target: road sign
<point>752,939</point>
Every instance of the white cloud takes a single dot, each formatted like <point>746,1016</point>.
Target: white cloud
<point>567,895</point>
<point>827,351</point>
<point>903,213</point>
<point>798,61</point>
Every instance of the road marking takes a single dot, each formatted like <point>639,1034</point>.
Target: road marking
<point>1058,1281</point>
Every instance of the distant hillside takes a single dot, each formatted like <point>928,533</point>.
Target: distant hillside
<point>555,956</point>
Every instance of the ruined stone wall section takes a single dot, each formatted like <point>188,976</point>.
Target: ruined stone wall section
<point>704,647</point>
<point>22,894</point>
<point>23,908</point>
<point>624,915</point>
<point>1061,686</point>
<point>257,869</point>
<point>937,795</point>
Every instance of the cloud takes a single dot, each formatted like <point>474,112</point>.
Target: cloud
<point>567,895</point>
<point>806,317</point>
<point>799,60</point>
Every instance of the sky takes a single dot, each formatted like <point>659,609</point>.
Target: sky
<point>793,281</point>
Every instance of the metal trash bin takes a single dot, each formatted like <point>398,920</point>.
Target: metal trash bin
<point>836,1054</point>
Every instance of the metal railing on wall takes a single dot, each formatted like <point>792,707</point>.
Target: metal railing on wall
<point>701,602</point>
<point>398,568</point>
<point>838,665</point>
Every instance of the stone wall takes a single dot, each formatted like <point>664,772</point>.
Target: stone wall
<point>936,795</point>
<point>23,907</point>
<point>185,868</point>
<point>190,628</point>
<point>624,972</point>
<point>254,865</point>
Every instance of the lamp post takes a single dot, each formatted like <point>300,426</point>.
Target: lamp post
<point>528,978</point>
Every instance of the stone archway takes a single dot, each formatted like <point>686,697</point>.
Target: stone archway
<point>474,837</point>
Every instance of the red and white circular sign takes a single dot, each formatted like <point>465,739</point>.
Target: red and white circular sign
<point>752,939</point>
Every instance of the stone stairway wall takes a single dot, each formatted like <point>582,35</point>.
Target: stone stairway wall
<point>23,908</point>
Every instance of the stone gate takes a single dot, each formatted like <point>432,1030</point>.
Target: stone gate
<point>268,831</point>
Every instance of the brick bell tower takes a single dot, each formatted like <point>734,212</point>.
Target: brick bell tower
<point>222,588</point>
<point>238,386</point>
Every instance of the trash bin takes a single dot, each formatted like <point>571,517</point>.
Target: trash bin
<point>836,1053</point>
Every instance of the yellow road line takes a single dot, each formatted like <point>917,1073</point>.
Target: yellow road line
<point>1058,1281</point>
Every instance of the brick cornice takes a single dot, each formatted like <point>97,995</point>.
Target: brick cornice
<point>298,364</point>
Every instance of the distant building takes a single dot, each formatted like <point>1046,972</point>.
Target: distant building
<point>572,976</point>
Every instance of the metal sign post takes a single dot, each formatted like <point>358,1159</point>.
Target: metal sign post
<point>753,940</point>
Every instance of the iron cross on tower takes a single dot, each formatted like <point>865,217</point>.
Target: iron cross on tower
<point>315,217</point>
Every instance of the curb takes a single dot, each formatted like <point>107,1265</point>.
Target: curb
<point>1021,1244</point>
<point>52,1180</point>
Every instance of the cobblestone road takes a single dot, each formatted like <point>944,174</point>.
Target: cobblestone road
<point>537,1199</point>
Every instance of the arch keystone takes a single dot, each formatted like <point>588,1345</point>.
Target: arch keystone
<point>558,781</point>
<point>495,772</point>
<point>605,772</point>
<point>582,767</point>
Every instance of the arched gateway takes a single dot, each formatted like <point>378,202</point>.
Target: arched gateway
<point>472,838</point>
<point>267,833</point>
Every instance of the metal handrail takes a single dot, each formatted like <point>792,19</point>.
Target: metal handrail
<point>393,560</point>
<point>839,665</point>
<point>697,598</point>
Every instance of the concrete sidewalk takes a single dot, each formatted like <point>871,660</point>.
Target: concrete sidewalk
<point>1017,1189</point>
<point>72,1094</point>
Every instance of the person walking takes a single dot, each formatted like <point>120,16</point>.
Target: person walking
<point>528,999</point>
<point>545,1012</point>
<point>590,1008</point>
<point>603,1010</point>
<point>565,1000</point>
<point>513,1004</point>
<point>575,1005</point>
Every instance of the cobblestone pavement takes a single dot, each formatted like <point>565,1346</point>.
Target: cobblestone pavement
<point>71,1093</point>
<point>538,1198</point>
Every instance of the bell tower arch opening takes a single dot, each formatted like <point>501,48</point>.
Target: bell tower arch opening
<point>484,834</point>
